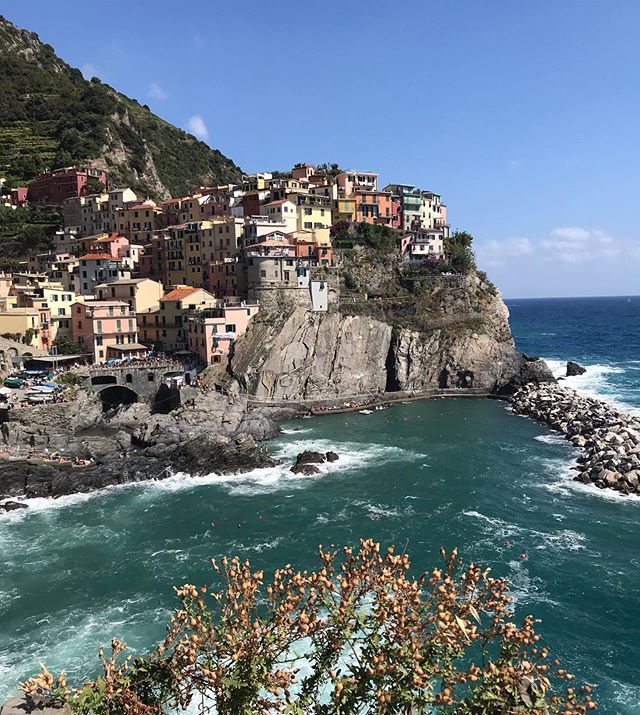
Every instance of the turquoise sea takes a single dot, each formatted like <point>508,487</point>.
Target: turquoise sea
<point>77,571</point>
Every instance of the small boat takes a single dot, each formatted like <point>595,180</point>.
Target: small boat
<point>13,382</point>
<point>38,398</point>
<point>365,412</point>
<point>382,407</point>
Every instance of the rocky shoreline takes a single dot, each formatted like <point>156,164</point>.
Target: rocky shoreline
<point>73,447</point>
<point>608,439</point>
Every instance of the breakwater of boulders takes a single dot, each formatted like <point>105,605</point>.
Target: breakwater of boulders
<point>609,440</point>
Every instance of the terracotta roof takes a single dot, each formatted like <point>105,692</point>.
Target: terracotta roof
<point>280,201</point>
<point>97,257</point>
<point>145,206</point>
<point>178,293</point>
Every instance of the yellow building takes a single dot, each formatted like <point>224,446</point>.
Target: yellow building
<point>54,298</point>
<point>142,294</point>
<point>344,210</point>
<point>167,327</point>
<point>28,325</point>
<point>138,222</point>
<point>314,213</point>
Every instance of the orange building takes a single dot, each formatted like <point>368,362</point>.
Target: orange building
<point>378,207</point>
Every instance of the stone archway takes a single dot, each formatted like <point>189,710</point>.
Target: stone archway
<point>116,396</point>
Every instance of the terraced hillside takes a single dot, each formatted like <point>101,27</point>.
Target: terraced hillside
<point>51,116</point>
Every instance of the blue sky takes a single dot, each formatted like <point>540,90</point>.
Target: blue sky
<point>523,115</point>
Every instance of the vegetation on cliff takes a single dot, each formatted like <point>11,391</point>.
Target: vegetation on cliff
<point>373,637</point>
<point>26,229</point>
<point>51,116</point>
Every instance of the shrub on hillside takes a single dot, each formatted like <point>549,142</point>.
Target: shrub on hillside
<point>375,639</point>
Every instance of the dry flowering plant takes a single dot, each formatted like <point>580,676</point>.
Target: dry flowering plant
<point>359,634</point>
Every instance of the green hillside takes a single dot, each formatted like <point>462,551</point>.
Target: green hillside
<point>51,116</point>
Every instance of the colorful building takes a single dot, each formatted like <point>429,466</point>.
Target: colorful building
<point>378,207</point>
<point>57,186</point>
<point>281,211</point>
<point>96,268</point>
<point>31,326</point>
<point>106,329</point>
<point>166,326</point>
<point>213,330</point>
<point>139,222</point>
<point>141,294</point>
<point>350,181</point>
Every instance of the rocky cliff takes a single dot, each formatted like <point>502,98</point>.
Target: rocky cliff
<point>74,447</point>
<point>446,331</point>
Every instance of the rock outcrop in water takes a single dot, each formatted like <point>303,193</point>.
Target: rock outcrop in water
<point>608,438</point>
<point>209,433</point>
<point>574,369</point>
<point>453,333</point>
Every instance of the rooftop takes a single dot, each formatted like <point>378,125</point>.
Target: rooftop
<point>123,282</point>
<point>179,293</point>
<point>97,257</point>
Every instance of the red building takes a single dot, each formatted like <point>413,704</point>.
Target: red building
<point>19,196</point>
<point>59,185</point>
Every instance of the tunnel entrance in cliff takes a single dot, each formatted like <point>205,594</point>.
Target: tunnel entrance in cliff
<point>166,400</point>
<point>117,396</point>
<point>392,384</point>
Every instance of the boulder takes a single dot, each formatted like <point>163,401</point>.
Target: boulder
<point>574,369</point>
<point>306,469</point>
<point>531,371</point>
<point>310,457</point>
<point>13,505</point>
<point>215,454</point>
<point>332,457</point>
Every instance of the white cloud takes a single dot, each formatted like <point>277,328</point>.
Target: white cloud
<point>157,92</point>
<point>89,70</point>
<point>571,233</point>
<point>197,127</point>
<point>496,253</point>
<point>574,244</point>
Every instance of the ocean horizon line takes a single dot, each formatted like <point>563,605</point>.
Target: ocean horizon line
<point>571,297</point>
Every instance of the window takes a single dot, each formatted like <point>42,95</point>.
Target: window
<point>151,377</point>
<point>129,377</point>
<point>263,274</point>
<point>118,325</point>
<point>230,328</point>
<point>307,212</point>
<point>99,340</point>
<point>308,224</point>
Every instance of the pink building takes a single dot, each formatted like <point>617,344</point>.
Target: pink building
<point>350,181</point>
<point>212,331</point>
<point>19,196</point>
<point>222,278</point>
<point>112,245</point>
<point>106,329</point>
